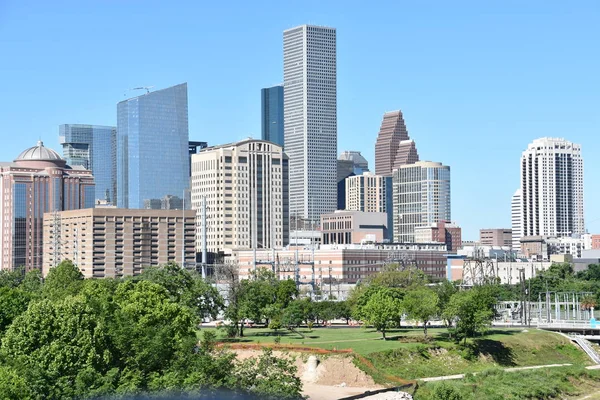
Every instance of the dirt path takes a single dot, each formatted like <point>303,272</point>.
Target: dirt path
<point>460,376</point>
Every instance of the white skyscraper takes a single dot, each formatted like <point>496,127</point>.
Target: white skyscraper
<point>310,119</point>
<point>552,188</point>
<point>515,211</point>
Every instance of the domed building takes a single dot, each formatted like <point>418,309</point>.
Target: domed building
<point>38,181</point>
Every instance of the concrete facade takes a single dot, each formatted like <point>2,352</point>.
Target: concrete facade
<point>496,237</point>
<point>353,227</point>
<point>441,232</point>
<point>310,118</point>
<point>116,242</point>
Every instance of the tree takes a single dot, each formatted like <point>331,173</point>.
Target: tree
<point>421,304</point>
<point>12,279</point>
<point>13,302</point>
<point>444,290</point>
<point>204,299</point>
<point>381,310</point>
<point>472,311</point>
<point>171,276</point>
<point>274,377</point>
<point>343,310</point>
<point>393,276</point>
<point>63,280</point>
<point>32,282</point>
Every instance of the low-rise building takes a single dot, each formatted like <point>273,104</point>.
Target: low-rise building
<point>441,232</point>
<point>353,227</point>
<point>117,242</point>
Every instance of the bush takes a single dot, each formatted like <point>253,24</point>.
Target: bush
<point>445,391</point>
<point>275,325</point>
<point>277,339</point>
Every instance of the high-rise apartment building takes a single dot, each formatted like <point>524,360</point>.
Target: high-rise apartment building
<point>38,181</point>
<point>393,148</point>
<point>245,187</point>
<point>496,237</point>
<point>552,189</point>
<point>310,114</point>
<point>152,146</point>
<point>271,121</point>
<point>516,224</point>
<point>421,197</point>
<point>94,148</point>
<point>116,242</point>
<point>367,192</point>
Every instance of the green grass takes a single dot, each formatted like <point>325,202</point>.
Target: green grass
<point>495,384</point>
<point>406,355</point>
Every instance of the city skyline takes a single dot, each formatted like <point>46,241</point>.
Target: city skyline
<point>449,108</point>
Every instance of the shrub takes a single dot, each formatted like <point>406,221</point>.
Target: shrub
<point>445,391</point>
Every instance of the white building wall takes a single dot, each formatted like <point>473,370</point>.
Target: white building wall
<point>310,118</point>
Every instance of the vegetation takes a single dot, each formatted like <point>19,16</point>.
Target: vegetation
<point>72,338</point>
<point>495,384</point>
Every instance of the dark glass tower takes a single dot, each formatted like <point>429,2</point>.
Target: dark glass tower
<point>272,114</point>
<point>93,147</point>
<point>152,147</point>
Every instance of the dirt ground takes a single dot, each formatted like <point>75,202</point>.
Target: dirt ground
<point>335,376</point>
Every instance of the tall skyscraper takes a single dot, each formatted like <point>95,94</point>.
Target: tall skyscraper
<point>93,147</point>
<point>271,100</point>
<point>38,181</point>
<point>552,188</point>
<point>421,197</point>
<point>310,113</point>
<point>393,148</point>
<point>245,186</point>
<point>152,146</point>
<point>516,224</point>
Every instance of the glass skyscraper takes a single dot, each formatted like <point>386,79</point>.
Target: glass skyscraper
<point>152,146</point>
<point>272,114</point>
<point>94,148</point>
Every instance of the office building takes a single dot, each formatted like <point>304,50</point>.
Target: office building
<point>371,193</point>
<point>393,148</point>
<point>93,147</point>
<point>516,223</point>
<point>552,189</point>
<point>166,203</point>
<point>345,168</point>
<point>353,227</point>
<point>440,232</point>
<point>38,181</point>
<point>496,237</point>
<point>193,148</point>
<point>310,113</point>
<point>152,146</point>
<point>271,121</point>
<point>421,197</point>
<point>245,187</point>
<point>116,242</point>
<point>359,163</point>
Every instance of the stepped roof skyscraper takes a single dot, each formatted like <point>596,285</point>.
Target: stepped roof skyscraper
<point>393,148</point>
<point>310,119</point>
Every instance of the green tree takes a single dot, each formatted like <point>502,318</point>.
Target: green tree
<point>32,282</point>
<point>12,279</point>
<point>63,280</point>
<point>271,376</point>
<point>421,304</point>
<point>170,276</point>
<point>13,302</point>
<point>472,311</point>
<point>343,310</point>
<point>382,310</point>
<point>444,290</point>
<point>394,276</point>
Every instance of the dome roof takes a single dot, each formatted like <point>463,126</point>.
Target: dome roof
<point>40,156</point>
<point>39,153</point>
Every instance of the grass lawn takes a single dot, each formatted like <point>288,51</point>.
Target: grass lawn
<point>407,356</point>
<point>552,383</point>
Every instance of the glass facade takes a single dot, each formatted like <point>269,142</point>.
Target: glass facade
<point>93,147</point>
<point>272,114</point>
<point>152,147</point>
<point>19,228</point>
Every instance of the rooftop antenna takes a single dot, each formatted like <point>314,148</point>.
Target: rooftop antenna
<point>146,88</point>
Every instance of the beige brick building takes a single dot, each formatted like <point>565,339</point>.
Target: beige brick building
<point>496,237</point>
<point>245,185</point>
<point>367,192</point>
<point>116,242</point>
<point>352,227</point>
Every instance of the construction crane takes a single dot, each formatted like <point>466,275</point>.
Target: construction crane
<point>146,88</point>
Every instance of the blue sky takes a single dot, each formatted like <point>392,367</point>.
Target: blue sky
<point>476,80</point>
